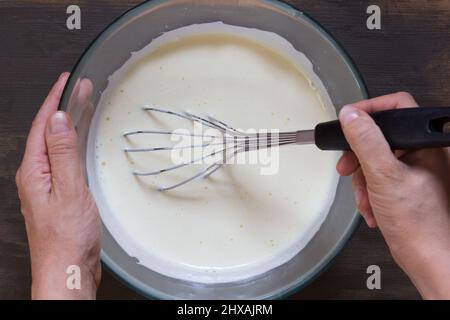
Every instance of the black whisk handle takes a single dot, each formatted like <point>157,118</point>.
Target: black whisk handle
<point>406,129</point>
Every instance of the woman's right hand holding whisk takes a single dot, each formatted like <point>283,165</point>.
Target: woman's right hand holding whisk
<point>405,194</point>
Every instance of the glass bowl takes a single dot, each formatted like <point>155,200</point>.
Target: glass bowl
<point>138,27</point>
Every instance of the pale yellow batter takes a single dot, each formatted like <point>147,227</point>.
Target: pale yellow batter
<point>238,223</point>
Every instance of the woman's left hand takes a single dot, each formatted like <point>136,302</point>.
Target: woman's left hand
<point>61,217</point>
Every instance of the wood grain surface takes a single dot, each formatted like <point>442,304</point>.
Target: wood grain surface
<point>410,53</point>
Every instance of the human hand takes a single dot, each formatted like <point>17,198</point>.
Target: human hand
<point>61,217</point>
<point>404,193</point>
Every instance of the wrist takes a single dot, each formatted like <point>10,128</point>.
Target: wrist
<point>64,280</point>
<point>428,267</point>
<point>61,278</point>
<point>56,265</point>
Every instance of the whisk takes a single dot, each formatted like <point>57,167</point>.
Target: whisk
<point>406,129</point>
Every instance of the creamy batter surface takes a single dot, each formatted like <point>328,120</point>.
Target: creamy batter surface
<point>237,223</point>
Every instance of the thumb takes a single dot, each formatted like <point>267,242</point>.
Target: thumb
<point>367,142</point>
<point>61,140</point>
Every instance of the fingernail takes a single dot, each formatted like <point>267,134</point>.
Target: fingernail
<point>371,223</point>
<point>63,75</point>
<point>59,123</point>
<point>348,114</point>
<point>358,196</point>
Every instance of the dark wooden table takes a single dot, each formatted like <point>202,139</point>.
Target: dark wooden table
<point>410,53</point>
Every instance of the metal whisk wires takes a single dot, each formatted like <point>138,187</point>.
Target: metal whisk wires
<point>226,141</point>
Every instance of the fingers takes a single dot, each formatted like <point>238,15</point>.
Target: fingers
<point>36,147</point>
<point>347,164</point>
<point>370,149</point>
<point>367,141</point>
<point>362,198</point>
<point>65,164</point>
<point>397,100</point>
